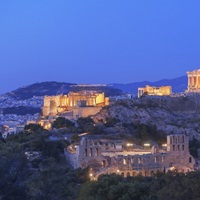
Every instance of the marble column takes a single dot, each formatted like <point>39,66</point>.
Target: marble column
<point>198,81</point>
<point>192,81</point>
<point>196,84</point>
<point>189,82</point>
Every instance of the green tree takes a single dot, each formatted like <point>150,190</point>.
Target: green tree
<point>194,145</point>
<point>75,137</point>
<point>33,128</point>
<point>110,122</point>
<point>82,121</point>
<point>62,122</point>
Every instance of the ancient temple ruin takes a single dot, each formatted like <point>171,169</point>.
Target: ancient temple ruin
<point>193,81</point>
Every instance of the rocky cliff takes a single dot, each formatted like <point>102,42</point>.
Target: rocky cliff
<point>170,114</point>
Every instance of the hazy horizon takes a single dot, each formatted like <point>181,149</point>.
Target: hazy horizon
<point>86,83</point>
<point>97,41</point>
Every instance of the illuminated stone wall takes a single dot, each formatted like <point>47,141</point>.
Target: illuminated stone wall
<point>54,105</point>
<point>46,124</point>
<point>85,111</point>
<point>103,157</point>
<point>50,105</point>
<point>157,91</point>
<point>178,146</point>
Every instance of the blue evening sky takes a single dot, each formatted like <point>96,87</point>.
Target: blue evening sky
<point>97,41</point>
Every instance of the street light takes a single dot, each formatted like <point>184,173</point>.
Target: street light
<point>129,144</point>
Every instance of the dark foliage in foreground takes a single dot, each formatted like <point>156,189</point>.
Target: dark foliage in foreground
<point>194,145</point>
<point>47,177</point>
<point>161,187</point>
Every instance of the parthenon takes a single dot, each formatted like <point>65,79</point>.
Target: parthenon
<point>194,81</point>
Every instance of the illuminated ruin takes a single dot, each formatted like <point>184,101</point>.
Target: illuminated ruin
<point>155,91</point>
<point>127,159</point>
<point>193,81</point>
<point>79,102</point>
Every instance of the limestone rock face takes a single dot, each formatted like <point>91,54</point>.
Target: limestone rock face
<point>171,114</point>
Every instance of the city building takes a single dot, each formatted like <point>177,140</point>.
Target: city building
<point>155,91</point>
<point>127,159</point>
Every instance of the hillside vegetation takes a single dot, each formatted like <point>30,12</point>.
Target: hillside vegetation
<point>49,176</point>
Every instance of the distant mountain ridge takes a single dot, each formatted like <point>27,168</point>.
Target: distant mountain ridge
<point>53,88</point>
<point>178,84</point>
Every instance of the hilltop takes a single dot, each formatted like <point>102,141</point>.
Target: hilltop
<point>55,88</point>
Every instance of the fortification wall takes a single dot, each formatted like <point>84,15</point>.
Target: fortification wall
<point>85,111</point>
<point>100,99</point>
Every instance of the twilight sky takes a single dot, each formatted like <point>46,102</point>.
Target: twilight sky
<point>97,41</point>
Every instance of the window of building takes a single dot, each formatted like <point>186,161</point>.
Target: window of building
<point>85,152</point>
<point>97,152</point>
<point>190,159</point>
<point>156,159</point>
<point>182,147</point>
<point>178,147</point>
<point>163,159</point>
<point>124,161</point>
<point>173,147</point>
<point>156,149</point>
<point>103,163</point>
<point>91,152</point>
<point>139,160</point>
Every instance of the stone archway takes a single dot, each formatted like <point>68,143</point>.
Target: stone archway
<point>103,163</point>
<point>97,152</point>
<point>146,173</point>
